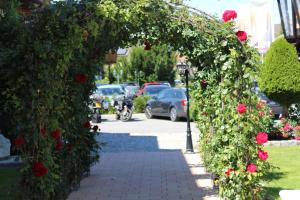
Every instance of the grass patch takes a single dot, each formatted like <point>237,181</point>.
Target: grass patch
<point>8,177</point>
<point>286,174</point>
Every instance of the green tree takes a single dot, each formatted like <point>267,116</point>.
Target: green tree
<point>156,64</point>
<point>278,76</point>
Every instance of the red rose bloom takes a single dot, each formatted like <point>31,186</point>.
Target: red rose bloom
<point>147,45</point>
<point>59,144</point>
<point>228,172</point>
<point>261,138</point>
<point>56,134</point>
<point>229,15</point>
<point>39,169</point>
<point>87,124</point>
<point>43,132</point>
<point>296,128</point>
<point>287,127</point>
<point>81,78</point>
<point>203,84</point>
<point>251,168</point>
<point>260,105</point>
<point>241,108</point>
<point>19,141</point>
<point>242,36</point>
<point>69,147</point>
<point>262,154</point>
<point>261,114</point>
<point>297,137</point>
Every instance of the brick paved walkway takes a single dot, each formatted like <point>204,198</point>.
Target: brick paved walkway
<point>145,166</point>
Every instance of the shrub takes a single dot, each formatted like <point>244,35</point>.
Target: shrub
<point>140,103</point>
<point>278,76</point>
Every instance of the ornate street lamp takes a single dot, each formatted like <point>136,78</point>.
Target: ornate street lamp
<point>184,71</point>
<point>290,20</point>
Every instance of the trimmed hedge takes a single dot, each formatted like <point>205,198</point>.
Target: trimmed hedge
<point>279,75</point>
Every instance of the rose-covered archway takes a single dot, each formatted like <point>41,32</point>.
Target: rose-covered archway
<point>52,54</point>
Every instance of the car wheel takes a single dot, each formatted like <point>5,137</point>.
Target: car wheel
<point>173,115</point>
<point>148,112</point>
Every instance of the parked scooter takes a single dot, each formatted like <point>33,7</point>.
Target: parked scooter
<point>124,108</point>
<point>98,104</point>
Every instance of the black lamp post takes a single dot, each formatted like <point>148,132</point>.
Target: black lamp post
<point>184,70</point>
<point>290,20</point>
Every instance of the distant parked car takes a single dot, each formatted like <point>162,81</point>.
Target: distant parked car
<point>109,91</point>
<point>131,91</point>
<point>178,82</point>
<point>154,90</point>
<point>141,90</point>
<point>170,102</point>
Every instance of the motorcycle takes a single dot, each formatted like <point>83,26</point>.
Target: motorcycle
<point>97,105</point>
<point>124,108</point>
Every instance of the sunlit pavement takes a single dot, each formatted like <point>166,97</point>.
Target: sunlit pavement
<point>144,159</point>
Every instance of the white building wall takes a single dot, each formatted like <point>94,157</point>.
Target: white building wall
<point>256,18</point>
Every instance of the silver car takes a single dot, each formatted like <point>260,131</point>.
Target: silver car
<point>170,102</point>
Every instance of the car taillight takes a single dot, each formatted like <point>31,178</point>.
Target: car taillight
<point>183,102</point>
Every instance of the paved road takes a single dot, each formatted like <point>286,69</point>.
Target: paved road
<point>144,160</point>
<point>141,134</point>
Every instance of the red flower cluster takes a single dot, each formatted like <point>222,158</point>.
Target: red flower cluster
<point>228,172</point>
<point>296,128</point>
<point>241,108</point>
<point>260,105</point>
<point>56,134</point>
<point>87,124</point>
<point>261,138</point>
<point>203,84</point>
<point>287,127</point>
<point>261,114</point>
<point>229,15</point>
<point>19,141</point>
<point>80,78</point>
<point>59,145</point>
<point>297,137</point>
<point>242,36</point>
<point>251,168</point>
<point>147,45</point>
<point>69,147</point>
<point>43,132</point>
<point>262,154</point>
<point>39,169</point>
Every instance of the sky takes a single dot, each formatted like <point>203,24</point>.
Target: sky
<point>217,7</point>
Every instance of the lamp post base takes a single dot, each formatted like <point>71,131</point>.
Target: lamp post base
<point>189,142</point>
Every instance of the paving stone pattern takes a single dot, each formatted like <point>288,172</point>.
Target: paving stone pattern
<point>145,160</point>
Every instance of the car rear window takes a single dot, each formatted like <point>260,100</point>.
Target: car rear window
<point>154,90</point>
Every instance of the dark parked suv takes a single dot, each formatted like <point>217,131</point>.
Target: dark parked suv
<point>168,103</point>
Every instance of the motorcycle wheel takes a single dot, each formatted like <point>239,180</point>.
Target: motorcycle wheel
<point>126,115</point>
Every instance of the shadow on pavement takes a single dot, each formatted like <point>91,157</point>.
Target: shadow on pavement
<point>124,142</point>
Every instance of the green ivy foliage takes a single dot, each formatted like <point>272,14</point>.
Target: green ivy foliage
<point>278,76</point>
